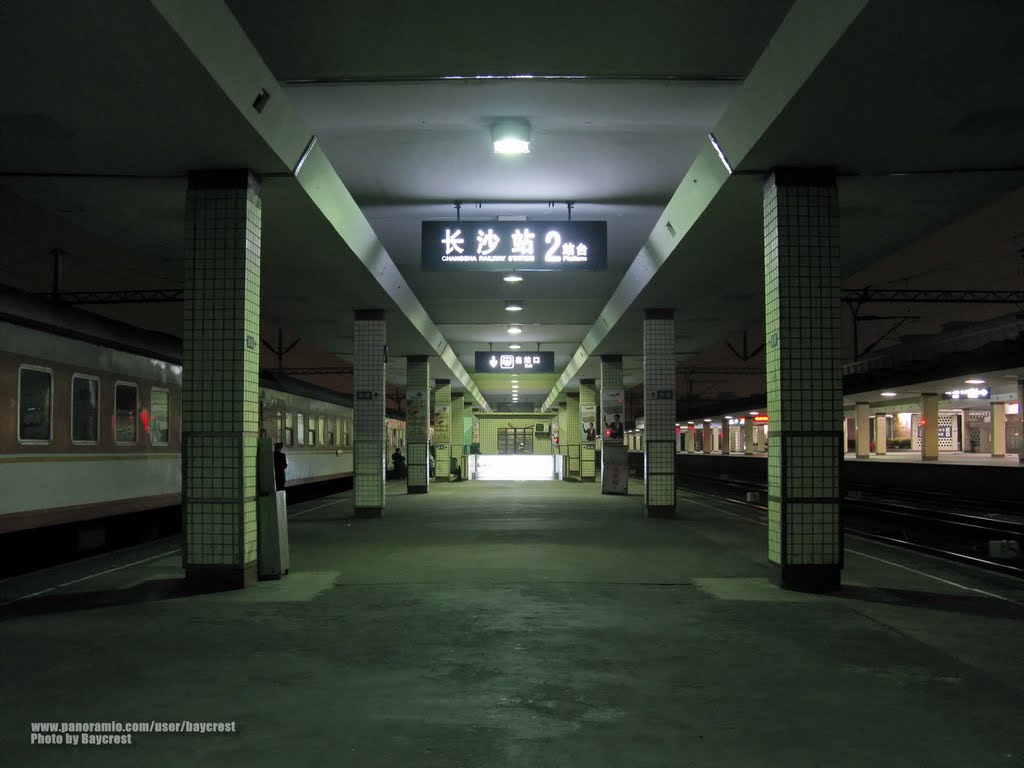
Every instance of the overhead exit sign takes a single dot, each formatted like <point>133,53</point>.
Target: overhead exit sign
<point>562,246</point>
<point>519,362</point>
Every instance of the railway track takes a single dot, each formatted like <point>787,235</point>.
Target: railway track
<point>936,524</point>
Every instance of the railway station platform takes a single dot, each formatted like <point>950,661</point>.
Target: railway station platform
<point>520,624</point>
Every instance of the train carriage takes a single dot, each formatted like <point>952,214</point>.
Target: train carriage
<point>90,418</point>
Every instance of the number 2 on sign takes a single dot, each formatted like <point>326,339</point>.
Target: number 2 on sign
<point>556,242</point>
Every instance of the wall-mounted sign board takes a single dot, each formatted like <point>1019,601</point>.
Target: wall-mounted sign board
<point>519,362</point>
<point>561,246</point>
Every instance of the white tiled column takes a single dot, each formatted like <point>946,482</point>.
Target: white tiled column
<point>726,436</point>
<point>707,437</point>
<point>748,436</point>
<point>804,368</point>
<point>563,448</point>
<point>881,427</point>
<point>1020,416</point>
<point>457,430</point>
<point>417,424</point>
<point>690,438</point>
<point>573,430</point>
<point>930,427</point>
<point>368,428</point>
<point>220,394</point>
<point>611,382</point>
<point>998,430</point>
<point>863,434</point>
<point>659,413</point>
<point>588,464</point>
<point>442,430</point>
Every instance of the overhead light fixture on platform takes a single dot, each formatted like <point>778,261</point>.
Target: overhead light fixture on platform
<point>515,346</point>
<point>511,137</point>
<point>515,329</point>
<point>889,394</point>
<point>513,306</point>
<point>974,381</point>
<point>513,278</point>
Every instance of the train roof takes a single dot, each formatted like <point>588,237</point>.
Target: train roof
<point>34,311</point>
<point>42,313</point>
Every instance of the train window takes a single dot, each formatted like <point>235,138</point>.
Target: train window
<point>85,409</point>
<point>312,430</point>
<point>126,413</point>
<point>159,423</point>
<point>289,430</point>
<point>301,421</point>
<point>35,404</point>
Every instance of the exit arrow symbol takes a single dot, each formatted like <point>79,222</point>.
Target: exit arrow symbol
<point>493,361</point>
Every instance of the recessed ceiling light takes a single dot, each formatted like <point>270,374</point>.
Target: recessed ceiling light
<point>513,278</point>
<point>974,381</point>
<point>753,413</point>
<point>513,306</point>
<point>514,329</point>
<point>511,137</point>
<point>515,381</point>
<point>515,346</point>
<point>889,394</point>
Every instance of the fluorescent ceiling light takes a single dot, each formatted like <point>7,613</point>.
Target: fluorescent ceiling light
<point>514,329</point>
<point>511,137</point>
<point>515,381</point>
<point>889,394</point>
<point>974,381</point>
<point>513,278</point>
<point>753,413</point>
<point>513,306</point>
<point>721,154</point>
<point>515,346</point>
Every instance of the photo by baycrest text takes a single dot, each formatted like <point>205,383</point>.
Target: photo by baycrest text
<point>117,732</point>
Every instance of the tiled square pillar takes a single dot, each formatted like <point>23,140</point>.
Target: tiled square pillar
<point>442,430</point>
<point>573,430</point>
<point>1020,417</point>
<point>998,430</point>
<point>726,436</point>
<point>659,413</point>
<point>690,438</point>
<point>748,436</point>
<point>706,438</point>
<point>220,395</point>
<point>458,429</point>
<point>368,428</point>
<point>563,430</point>
<point>417,424</point>
<point>804,367</point>
<point>862,436</point>
<point>929,427</point>
<point>881,427</point>
<point>589,425</point>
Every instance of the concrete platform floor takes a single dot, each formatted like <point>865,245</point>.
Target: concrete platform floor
<point>521,624</point>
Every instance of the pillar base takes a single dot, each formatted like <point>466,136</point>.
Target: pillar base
<point>416,489</point>
<point>369,512</point>
<point>219,578</point>
<point>929,458</point>
<point>806,578</point>
<point>442,479</point>
<point>998,455</point>
<point>662,511</point>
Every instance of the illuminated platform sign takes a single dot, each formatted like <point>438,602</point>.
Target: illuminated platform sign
<point>493,246</point>
<point>520,362</point>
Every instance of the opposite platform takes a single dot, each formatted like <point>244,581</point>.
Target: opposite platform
<point>523,624</point>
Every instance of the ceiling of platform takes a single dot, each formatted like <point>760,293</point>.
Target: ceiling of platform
<point>104,114</point>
